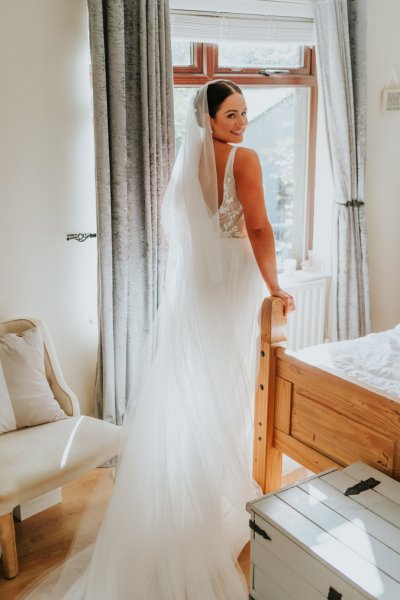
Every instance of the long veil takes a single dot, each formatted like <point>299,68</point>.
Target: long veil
<point>176,521</point>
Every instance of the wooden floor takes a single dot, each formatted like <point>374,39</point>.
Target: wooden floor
<point>44,540</point>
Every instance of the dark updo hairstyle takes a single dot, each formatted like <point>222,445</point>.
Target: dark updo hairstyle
<point>217,92</point>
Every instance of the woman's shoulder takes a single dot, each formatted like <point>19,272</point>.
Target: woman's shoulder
<point>244,151</point>
<point>245,158</point>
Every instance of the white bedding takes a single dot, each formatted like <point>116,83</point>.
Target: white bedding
<point>372,361</point>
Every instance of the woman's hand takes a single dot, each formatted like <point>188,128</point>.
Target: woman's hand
<point>287,299</point>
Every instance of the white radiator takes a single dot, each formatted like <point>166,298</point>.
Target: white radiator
<point>306,324</point>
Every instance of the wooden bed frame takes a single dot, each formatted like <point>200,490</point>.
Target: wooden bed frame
<point>314,417</point>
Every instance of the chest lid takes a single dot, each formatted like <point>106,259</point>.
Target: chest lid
<point>356,535</point>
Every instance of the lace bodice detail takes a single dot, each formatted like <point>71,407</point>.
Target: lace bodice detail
<point>231,218</point>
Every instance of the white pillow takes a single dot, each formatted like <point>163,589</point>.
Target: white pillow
<point>22,358</point>
<point>7,417</point>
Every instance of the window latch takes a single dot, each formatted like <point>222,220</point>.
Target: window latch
<point>268,72</point>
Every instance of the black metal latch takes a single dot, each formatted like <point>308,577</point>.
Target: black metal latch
<point>333,594</point>
<point>368,484</point>
<point>258,530</point>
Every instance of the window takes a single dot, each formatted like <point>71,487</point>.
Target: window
<point>279,83</point>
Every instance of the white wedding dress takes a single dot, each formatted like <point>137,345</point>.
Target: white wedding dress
<point>177,521</point>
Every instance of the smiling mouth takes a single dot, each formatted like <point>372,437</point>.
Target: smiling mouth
<point>239,132</point>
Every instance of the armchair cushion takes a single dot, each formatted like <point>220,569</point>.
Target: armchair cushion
<point>7,417</point>
<point>22,359</point>
<point>39,459</point>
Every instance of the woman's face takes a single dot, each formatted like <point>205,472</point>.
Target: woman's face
<point>231,119</point>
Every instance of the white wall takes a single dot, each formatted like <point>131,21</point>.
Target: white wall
<point>47,179</point>
<point>383,167</point>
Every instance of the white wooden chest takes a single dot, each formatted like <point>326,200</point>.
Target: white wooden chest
<point>311,541</point>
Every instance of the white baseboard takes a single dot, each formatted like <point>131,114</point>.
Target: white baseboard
<point>32,507</point>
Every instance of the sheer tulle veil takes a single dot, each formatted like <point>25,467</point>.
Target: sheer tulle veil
<point>191,199</point>
<point>176,520</point>
<point>190,223</point>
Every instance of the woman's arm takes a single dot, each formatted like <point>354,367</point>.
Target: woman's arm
<point>248,178</point>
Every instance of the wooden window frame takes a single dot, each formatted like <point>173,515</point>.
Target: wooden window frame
<point>205,68</point>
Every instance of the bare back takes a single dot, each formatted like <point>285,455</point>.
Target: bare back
<point>222,152</point>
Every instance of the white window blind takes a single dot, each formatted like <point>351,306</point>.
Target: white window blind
<point>263,21</point>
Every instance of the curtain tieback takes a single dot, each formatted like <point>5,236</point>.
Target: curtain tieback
<point>352,203</point>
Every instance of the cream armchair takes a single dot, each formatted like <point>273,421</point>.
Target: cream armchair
<point>36,460</point>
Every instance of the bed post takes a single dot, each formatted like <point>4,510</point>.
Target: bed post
<point>267,460</point>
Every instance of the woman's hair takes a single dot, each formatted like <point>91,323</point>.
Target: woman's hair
<point>217,92</point>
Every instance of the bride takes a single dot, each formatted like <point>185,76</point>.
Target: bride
<point>176,521</point>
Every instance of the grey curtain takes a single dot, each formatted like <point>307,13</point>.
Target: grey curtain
<point>341,28</point>
<point>134,141</point>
